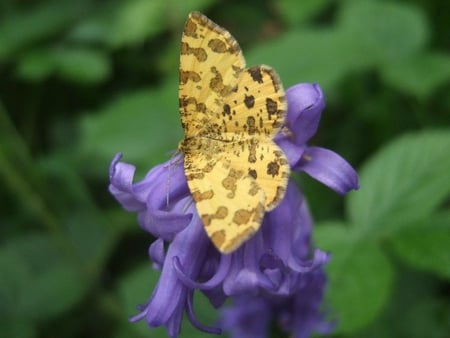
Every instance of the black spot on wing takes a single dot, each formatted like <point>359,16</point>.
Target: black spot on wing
<point>255,73</point>
<point>249,101</point>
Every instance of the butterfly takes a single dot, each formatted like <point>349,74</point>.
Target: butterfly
<point>230,115</point>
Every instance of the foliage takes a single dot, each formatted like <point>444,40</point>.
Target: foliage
<point>82,80</point>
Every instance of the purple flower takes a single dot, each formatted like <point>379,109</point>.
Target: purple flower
<point>276,267</point>
<point>294,305</point>
<point>305,104</point>
<point>297,314</point>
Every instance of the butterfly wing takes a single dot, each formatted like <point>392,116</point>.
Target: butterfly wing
<point>256,113</point>
<point>228,201</point>
<point>233,168</point>
<point>210,64</point>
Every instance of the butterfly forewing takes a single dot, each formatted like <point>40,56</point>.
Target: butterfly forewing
<point>210,64</point>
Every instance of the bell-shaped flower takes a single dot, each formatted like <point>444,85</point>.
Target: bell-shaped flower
<point>277,267</point>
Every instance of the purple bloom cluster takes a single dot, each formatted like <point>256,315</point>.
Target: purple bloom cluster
<point>274,276</point>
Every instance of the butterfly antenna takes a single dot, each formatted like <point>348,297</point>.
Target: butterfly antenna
<point>187,205</point>
<point>174,160</point>
<point>168,184</point>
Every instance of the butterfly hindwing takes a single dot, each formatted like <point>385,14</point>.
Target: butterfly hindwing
<point>257,111</point>
<point>229,202</point>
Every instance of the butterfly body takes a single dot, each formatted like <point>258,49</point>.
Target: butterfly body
<point>230,114</point>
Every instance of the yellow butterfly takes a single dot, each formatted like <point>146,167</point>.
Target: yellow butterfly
<point>229,114</point>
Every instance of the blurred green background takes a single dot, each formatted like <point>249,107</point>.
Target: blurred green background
<point>82,80</point>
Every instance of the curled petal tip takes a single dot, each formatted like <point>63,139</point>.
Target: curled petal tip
<point>305,103</point>
<point>112,166</point>
<point>329,168</point>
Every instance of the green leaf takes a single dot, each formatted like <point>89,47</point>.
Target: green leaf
<point>37,250</point>
<point>15,274</point>
<point>405,182</point>
<point>41,283</point>
<point>83,65</point>
<point>179,10</point>
<point>420,75</point>
<point>36,65</point>
<point>17,328</point>
<point>143,125</point>
<point>322,56</point>
<point>360,276</point>
<point>415,310</point>
<point>19,30</point>
<point>79,65</point>
<point>426,317</point>
<point>425,245</point>
<point>93,237</point>
<point>136,20</point>
<point>54,291</point>
<point>296,12</point>
<point>128,23</point>
<point>97,27</point>
<point>384,31</point>
<point>360,40</point>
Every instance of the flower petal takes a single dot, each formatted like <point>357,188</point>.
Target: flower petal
<point>329,168</point>
<point>121,187</point>
<point>245,275</point>
<point>157,254</point>
<point>305,103</point>
<point>292,150</point>
<point>169,299</point>
<point>166,202</point>
<point>213,282</point>
<point>193,319</point>
<point>160,198</point>
<point>248,317</point>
